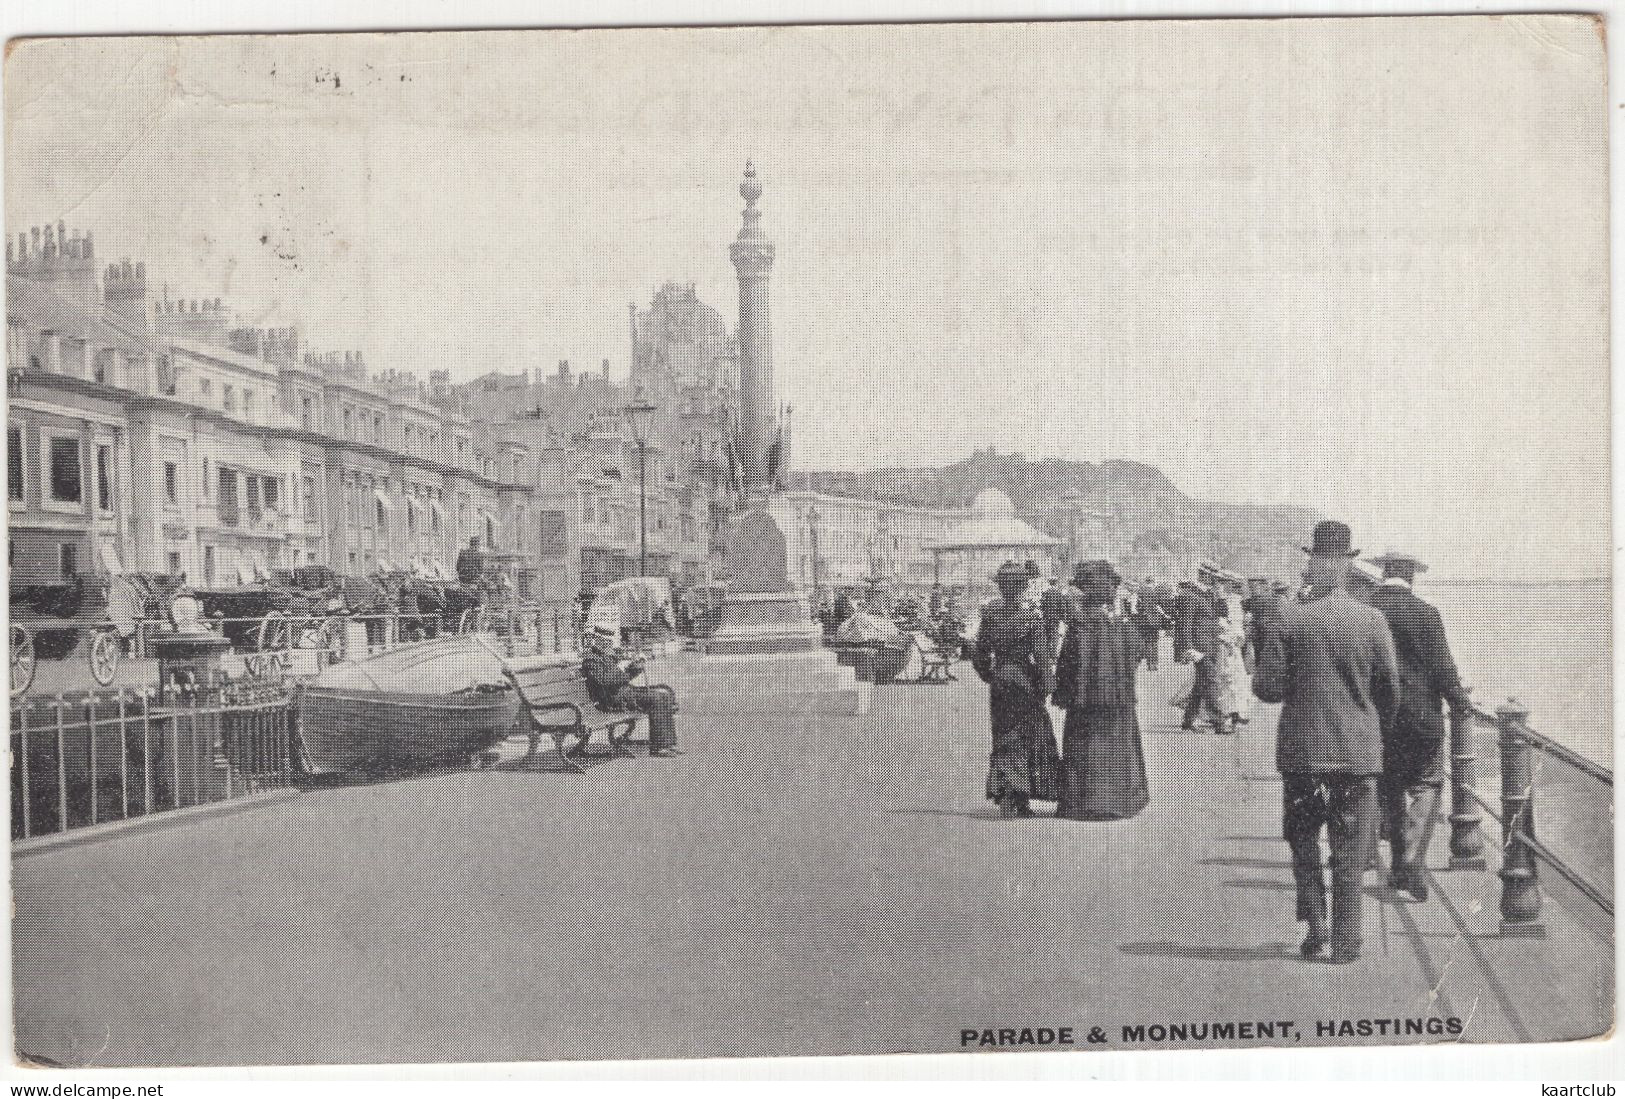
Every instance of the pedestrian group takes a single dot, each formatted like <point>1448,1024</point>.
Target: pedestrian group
<point>1362,673</point>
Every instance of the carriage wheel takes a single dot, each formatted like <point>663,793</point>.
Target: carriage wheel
<point>22,660</point>
<point>265,667</point>
<point>104,656</point>
<point>275,632</point>
<point>333,638</point>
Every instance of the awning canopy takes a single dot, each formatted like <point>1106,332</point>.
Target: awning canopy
<point>992,525</point>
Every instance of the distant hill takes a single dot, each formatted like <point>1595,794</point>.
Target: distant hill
<point>1127,511</point>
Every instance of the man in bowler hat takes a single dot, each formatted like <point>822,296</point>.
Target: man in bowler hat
<point>1413,741</point>
<point>1330,662</point>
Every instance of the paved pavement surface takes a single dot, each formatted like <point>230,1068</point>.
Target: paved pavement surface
<point>791,886</point>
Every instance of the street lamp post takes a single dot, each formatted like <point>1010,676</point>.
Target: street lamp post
<point>812,531</point>
<point>638,416</point>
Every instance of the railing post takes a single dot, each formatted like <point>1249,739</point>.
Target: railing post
<point>61,770</point>
<point>1520,881</point>
<point>1466,837</point>
<point>27,807</point>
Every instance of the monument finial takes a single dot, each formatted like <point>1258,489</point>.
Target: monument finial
<point>751,189</point>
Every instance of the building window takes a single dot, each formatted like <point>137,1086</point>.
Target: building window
<point>352,560</point>
<point>205,387</point>
<point>251,493</point>
<point>66,481</point>
<point>208,564</point>
<point>227,505</point>
<point>174,563</point>
<point>166,377</point>
<point>228,397</point>
<point>307,493</point>
<point>68,560</point>
<point>273,493</point>
<point>248,404</point>
<point>347,432</point>
<point>378,507</point>
<point>171,483</point>
<point>377,428</point>
<point>104,478</point>
<point>15,474</point>
<point>305,406</point>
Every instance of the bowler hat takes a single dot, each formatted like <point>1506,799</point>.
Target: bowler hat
<point>1399,558</point>
<point>1012,571</point>
<point>1032,569</point>
<point>1331,539</point>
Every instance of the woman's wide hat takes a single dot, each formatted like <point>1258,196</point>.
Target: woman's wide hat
<point>1331,539</point>
<point>1099,572</point>
<point>1401,559</point>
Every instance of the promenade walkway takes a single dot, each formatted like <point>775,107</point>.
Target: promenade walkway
<point>792,885</point>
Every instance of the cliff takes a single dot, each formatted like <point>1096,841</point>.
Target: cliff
<point>1126,511</point>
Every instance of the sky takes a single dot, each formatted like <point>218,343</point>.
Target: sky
<point>1354,265</point>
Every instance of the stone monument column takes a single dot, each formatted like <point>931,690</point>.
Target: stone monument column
<point>767,654</point>
<point>762,612</point>
<point>752,255</point>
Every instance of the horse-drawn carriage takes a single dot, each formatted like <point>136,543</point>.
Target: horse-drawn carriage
<point>300,607</point>
<point>52,621</point>
<point>95,613</point>
<point>433,606</point>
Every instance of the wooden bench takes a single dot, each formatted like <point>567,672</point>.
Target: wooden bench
<point>556,703</point>
<point>936,666</point>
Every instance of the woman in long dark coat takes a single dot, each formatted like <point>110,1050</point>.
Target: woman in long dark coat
<point>1012,655</point>
<point>1103,773</point>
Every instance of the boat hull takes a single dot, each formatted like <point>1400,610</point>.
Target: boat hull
<point>355,730</point>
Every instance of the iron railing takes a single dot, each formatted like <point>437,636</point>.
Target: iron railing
<point>1524,758</point>
<point>97,757</point>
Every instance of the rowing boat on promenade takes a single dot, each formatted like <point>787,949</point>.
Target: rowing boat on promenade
<point>436,701</point>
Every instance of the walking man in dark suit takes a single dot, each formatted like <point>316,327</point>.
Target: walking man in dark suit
<point>1330,662</point>
<point>1196,641</point>
<point>1413,740</point>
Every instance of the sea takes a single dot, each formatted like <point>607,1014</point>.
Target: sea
<point>1549,645</point>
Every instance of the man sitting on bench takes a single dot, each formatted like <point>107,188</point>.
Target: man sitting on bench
<point>609,681</point>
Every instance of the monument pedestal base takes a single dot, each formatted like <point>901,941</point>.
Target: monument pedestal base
<point>765,622</point>
<point>760,683</point>
<point>767,654</point>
